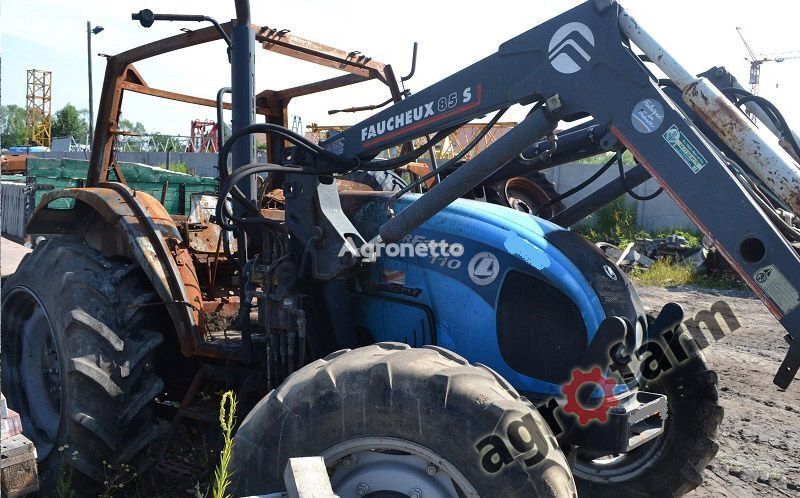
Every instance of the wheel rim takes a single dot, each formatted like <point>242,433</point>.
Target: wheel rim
<point>33,375</point>
<point>393,468</point>
<point>619,467</point>
<point>526,196</point>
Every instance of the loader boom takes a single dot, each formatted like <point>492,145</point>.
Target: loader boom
<point>581,63</point>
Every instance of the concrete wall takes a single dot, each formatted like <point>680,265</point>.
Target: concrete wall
<point>658,214</point>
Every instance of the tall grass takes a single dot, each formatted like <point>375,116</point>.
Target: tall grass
<point>614,222</point>
<point>63,482</point>
<point>177,167</point>
<point>664,273</point>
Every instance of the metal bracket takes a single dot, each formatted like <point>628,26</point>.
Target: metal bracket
<point>790,364</point>
<point>315,216</point>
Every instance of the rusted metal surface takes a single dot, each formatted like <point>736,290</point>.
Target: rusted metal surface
<point>191,284</point>
<point>121,75</point>
<point>419,170</point>
<point>204,238</point>
<point>280,41</point>
<point>202,235</point>
<point>166,94</point>
<point>13,163</point>
<point>136,226</point>
<point>183,260</point>
<point>771,163</point>
<point>316,87</point>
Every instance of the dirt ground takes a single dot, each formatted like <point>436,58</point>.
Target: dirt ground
<point>760,435</point>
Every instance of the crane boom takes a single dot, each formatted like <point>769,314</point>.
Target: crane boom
<point>746,44</point>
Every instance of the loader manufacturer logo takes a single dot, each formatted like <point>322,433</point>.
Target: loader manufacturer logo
<point>647,116</point>
<point>437,109</point>
<point>565,52</point>
<point>484,268</point>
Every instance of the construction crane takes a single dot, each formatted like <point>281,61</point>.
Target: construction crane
<point>756,61</point>
<point>38,121</point>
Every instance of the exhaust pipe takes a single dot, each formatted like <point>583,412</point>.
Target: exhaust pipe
<point>242,11</point>
<point>243,105</point>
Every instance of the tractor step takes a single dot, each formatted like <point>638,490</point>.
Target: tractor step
<point>636,420</point>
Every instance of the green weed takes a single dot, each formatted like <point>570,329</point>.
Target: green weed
<point>227,420</point>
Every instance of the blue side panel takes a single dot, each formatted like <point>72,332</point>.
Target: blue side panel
<point>395,319</point>
<point>465,311</point>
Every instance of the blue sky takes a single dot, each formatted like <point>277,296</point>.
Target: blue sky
<point>50,34</point>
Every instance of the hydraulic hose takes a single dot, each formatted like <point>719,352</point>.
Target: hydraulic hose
<point>536,124</point>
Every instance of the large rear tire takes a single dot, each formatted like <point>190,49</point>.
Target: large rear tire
<point>77,347</point>
<point>394,421</point>
<point>671,465</point>
<point>529,193</point>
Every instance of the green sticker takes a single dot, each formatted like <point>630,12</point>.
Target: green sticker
<point>688,152</point>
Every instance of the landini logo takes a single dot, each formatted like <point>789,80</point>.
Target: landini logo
<point>565,52</point>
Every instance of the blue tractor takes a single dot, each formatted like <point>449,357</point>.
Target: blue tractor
<point>424,342</point>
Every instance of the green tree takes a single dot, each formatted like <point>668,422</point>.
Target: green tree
<point>132,143</point>
<point>129,126</point>
<point>12,125</point>
<point>162,142</point>
<point>69,123</point>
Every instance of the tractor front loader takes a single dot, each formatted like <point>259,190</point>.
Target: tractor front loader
<point>425,345</point>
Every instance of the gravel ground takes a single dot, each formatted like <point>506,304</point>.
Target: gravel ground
<point>760,435</point>
<point>11,254</point>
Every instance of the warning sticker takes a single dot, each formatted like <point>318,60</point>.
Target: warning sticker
<point>772,281</point>
<point>688,152</point>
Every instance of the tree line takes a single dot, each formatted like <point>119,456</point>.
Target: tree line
<point>67,122</point>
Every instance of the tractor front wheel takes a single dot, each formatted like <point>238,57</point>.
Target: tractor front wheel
<point>672,464</point>
<point>394,421</point>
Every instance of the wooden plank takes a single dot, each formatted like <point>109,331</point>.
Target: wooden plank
<point>307,477</point>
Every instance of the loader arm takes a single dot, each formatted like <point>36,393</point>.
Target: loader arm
<point>582,64</point>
